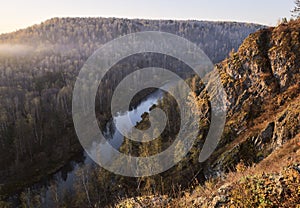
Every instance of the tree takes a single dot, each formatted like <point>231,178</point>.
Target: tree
<point>296,10</point>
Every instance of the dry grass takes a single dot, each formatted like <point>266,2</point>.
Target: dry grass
<point>284,156</point>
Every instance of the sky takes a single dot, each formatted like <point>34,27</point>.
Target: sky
<point>18,14</point>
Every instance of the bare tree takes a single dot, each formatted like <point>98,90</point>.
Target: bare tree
<point>296,10</point>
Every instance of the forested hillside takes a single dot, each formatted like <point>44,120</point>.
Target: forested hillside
<point>81,36</point>
<point>38,68</point>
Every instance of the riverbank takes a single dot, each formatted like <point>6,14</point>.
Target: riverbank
<point>39,171</point>
<point>40,174</point>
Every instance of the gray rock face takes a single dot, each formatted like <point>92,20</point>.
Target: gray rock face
<point>262,84</point>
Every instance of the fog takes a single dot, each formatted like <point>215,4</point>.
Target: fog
<point>15,49</point>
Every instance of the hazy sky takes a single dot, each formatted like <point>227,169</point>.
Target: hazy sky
<point>17,14</point>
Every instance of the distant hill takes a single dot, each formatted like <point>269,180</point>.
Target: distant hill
<point>85,35</point>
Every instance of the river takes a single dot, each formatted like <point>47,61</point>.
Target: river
<point>65,177</point>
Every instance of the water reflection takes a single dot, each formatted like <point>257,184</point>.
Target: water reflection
<point>63,180</point>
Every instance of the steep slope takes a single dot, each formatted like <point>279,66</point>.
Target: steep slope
<point>257,161</point>
<point>262,84</point>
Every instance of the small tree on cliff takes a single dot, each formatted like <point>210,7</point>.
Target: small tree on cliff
<point>296,10</point>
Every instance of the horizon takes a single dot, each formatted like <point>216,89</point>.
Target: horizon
<point>267,13</point>
<point>128,18</point>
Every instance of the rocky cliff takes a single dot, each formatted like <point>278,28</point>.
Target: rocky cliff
<point>262,84</point>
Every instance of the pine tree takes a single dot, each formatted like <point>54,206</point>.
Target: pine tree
<point>296,10</point>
